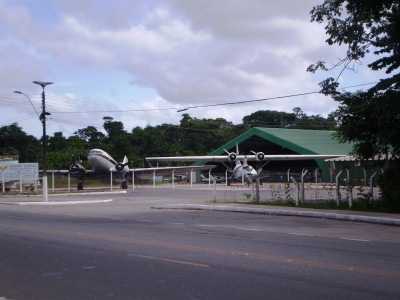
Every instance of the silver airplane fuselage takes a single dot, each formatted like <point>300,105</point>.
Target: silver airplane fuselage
<point>102,162</point>
<point>243,171</point>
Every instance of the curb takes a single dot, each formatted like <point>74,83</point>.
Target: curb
<point>73,202</point>
<point>283,212</point>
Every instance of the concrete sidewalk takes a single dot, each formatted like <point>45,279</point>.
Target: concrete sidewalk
<point>356,216</point>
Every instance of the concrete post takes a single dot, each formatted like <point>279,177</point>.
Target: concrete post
<point>52,181</point>
<point>371,188</point>
<point>20,182</point>
<point>69,182</point>
<point>337,187</point>
<point>3,184</point>
<point>133,180</point>
<point>296,185</point>
<point>111,183</point>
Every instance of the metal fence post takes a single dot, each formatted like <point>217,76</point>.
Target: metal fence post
<point>338,187</point>
<point>350,189</point>
<point>303,173</point>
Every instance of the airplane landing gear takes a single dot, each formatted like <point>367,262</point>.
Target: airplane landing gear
<point>124,185</point>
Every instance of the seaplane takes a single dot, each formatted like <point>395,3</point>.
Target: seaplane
<point>239,167</point>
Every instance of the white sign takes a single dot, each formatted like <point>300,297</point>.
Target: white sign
<point>27,172</point>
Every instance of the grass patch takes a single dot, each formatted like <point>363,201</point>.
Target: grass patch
<point>358,205</point>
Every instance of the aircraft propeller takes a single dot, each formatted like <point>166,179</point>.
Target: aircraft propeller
<point>231,156</point>
<point>259,155</point>
<point>78,171</point>
<point>123,175</point>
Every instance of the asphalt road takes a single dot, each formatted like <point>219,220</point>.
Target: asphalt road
<point>126,250</point>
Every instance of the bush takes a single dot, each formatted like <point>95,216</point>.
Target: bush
<point>389,182</point>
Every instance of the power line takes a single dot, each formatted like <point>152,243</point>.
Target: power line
<point>113,111</point>
<point>174,108</point>
<point>211,105</point>
<point>26,117</point>
<point>266,99</point>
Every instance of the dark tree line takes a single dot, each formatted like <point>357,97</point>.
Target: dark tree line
<point>191,137</point>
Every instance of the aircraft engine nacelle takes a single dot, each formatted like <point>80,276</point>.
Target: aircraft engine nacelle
<point>77,170</point>
<point>260,156</point>
<point>120,167</point>
<point>232,157</point>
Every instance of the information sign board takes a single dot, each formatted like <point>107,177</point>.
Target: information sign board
<point>27,172</point>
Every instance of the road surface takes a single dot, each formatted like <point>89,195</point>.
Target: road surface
<point>126,250</point>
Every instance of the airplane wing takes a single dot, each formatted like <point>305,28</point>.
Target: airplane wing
<point>157,170</point>
<point>169,170</point>
<point>256,157</point>
<point>65,172</point>
<point>189,158</point>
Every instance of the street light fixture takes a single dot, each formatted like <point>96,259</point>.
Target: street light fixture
<point>19,92</point>
<point>42,118</point>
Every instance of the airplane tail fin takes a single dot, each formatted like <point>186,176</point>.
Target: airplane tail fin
<point>125,161</point>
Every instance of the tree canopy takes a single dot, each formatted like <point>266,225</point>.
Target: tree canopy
<point>363,26</point>
<point>14,141</point>
<point>371,118</point>
<point>192,136</point>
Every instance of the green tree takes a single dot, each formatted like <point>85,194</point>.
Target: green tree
<point>202,136</point>
<point>369,118</point>
<point>299,113</point>
<point>57,142</point>
<point>363,26</point>
<point>279,119</point>
<point>270,119</point>
<point>91,135</point>
<point>14,141</point>
<point>113,128</point>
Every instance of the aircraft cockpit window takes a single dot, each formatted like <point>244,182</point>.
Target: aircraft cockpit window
<point>95,152</point>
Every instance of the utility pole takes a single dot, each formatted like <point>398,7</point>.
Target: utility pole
<point>42,118</point>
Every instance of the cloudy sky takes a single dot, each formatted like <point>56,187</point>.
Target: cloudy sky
<point>140,61</point>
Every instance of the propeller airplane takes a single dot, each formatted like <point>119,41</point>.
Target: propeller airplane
<point>241,167</point>
<point>102,164</point>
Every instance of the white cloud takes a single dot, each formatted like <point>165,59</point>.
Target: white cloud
<point>169,53</point>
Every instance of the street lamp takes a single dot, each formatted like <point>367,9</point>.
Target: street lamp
<point>42,118</point>
<point>19,92</point>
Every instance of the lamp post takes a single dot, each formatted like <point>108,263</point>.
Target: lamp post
<point>42,118</point>
<point>19,92</point>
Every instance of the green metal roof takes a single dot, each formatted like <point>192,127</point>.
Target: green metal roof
<point>300,141</point>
